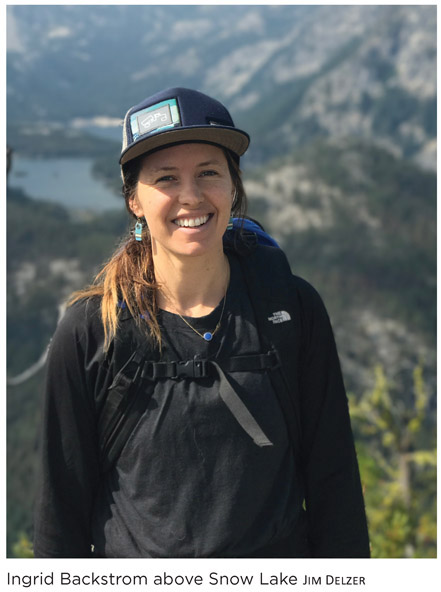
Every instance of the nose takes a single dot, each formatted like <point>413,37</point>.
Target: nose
<point>190,193</point>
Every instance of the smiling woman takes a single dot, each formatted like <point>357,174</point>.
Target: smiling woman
<point>185,193</point>
<point>194,403</point>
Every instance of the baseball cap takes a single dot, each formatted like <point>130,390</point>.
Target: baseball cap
<point>178,115</point>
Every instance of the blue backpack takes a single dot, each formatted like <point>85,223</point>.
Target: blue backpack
<point>252,227</point>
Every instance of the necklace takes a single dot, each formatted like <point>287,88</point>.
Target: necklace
<point>208,335</point>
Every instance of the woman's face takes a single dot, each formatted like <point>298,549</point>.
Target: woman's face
<point>185,193</point>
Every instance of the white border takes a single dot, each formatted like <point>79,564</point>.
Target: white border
<point>381,574</point>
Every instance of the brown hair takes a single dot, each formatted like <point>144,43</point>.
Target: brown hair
<point>129,275</point>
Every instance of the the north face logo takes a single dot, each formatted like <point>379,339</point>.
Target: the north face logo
<point>281,316</point>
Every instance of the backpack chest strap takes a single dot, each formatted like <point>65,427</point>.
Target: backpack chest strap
<point>202,368</point>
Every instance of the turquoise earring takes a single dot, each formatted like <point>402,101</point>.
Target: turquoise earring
<point>138,230</point>
<point>230,223</point>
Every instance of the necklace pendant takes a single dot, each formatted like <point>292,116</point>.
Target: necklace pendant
<point>208,336</point>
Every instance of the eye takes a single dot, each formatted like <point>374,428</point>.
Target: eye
<point>165,179</point>
<point>209,173</point>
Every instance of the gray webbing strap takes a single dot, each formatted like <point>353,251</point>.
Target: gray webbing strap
<point>239,410</point>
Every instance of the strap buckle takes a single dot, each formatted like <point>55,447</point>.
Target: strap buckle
<point>189,369</point>
<point>185,369</point>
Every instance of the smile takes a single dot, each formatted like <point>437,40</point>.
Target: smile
<point>192,222</point>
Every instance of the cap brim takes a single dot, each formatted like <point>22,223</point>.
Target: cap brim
<point>233,139</point>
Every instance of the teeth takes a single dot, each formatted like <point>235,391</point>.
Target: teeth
<point>192,222</point>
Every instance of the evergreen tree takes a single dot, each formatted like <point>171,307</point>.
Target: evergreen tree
<point>397,457</point>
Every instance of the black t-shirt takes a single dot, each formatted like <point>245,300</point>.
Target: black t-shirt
<point>190,481</point>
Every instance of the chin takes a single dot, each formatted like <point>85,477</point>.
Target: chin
<point>197,250</point>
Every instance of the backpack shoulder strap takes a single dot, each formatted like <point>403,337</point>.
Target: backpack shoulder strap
<point>125,401</point>
<point>277,311</point>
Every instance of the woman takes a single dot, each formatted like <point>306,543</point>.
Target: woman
<point>182,418</point>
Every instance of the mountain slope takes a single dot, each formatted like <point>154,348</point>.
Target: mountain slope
<point>288,73</point>
<point>359,224</point>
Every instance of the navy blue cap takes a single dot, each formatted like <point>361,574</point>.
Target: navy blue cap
<point>178,115</point>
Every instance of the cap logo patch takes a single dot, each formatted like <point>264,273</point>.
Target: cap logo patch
<point>157,117</point>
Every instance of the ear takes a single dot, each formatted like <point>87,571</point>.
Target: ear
<point>135,207</point>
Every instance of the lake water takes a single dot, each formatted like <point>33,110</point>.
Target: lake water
<point>67,181</point>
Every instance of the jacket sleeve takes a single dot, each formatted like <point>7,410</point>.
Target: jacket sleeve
<point>69,470</point>
<point>334,500</point>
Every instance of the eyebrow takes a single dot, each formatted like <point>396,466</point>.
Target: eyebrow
<point>174,168</point>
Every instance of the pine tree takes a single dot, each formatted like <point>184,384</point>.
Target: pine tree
<point>397,456</point>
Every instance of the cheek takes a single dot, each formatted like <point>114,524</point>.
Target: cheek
<point>154,208</point>
<point>230,200</point>
<point>143,202</point>
<point>225,195</point>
